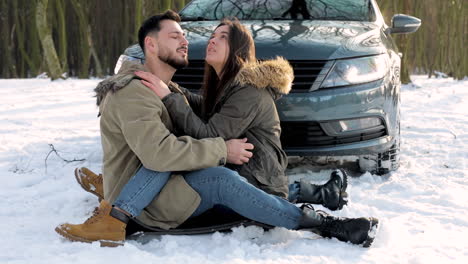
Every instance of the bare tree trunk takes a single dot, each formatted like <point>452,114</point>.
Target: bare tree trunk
<point>34,44</point>
<point>7,29</point>
<point>138,16</point>
<point>24,58</point>
<point>179,4</point>
<point>21,31</point>
<point>50,55</point>
<point>83,39</point>
<point>458,49</point>
<point>403,43</point>
<point>97,63</point>
<point>165,5</point>
<point>62,34</point>
<point>464,41</point>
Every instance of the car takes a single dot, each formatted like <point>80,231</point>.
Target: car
<point>345,98</point>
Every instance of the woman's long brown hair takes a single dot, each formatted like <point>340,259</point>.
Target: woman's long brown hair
<point>241,51</point>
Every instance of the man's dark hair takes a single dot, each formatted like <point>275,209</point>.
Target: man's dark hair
<point>153,25</point>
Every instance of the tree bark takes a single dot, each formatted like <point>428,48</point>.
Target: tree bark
<point>83,39</point>
<point>179,4</point>
<point>20,32</point>
<point>62,33</point>
<point>165,5</point>
<point>138,16</point>
<point>45,36</point>
<point>403,41</point>
<point>93,52</point>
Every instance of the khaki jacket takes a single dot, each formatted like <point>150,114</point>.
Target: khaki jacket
<point>135,131</point>
<point>245,109</point>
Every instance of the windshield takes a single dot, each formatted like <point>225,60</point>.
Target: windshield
<point>353,10</point>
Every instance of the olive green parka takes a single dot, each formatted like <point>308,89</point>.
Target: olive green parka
<point>246,108</point>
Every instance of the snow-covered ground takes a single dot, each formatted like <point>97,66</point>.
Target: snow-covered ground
<point>423,207</point>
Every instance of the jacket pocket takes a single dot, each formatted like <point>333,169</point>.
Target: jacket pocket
<point>265,168</point>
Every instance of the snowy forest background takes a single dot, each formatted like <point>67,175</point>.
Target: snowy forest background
<point>83,38</point>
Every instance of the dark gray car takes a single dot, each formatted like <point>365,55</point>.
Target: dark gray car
<point>346,93</point>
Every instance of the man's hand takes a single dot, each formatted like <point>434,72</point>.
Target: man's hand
<point>237,151</point>
<point>154,83</point>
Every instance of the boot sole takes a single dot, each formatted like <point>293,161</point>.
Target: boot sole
<point>78,179</point>
<point>373,230</point>
<point>345,180</point>
<point>104,243</point>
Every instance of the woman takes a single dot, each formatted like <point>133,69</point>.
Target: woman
<point>238,100</point>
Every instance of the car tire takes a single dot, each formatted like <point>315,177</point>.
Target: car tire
<point>382,163</point>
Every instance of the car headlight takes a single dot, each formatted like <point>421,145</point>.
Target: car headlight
<point>355,71</point>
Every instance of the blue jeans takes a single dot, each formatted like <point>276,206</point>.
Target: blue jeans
<point>216,186</point>
<point>140,190</point>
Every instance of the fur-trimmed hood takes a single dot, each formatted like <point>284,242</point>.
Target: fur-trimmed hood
<point>276,74</point>
<point>125,75</point>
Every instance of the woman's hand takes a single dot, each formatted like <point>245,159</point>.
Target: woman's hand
<point>154,83</point>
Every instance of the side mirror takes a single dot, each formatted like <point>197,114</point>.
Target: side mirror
<point>404,24</point>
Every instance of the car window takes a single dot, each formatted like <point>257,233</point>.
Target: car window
<point>353,10</point>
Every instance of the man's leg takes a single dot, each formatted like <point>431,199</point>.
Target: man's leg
<point>225,187</point>
<point>141,190</point>
<point>108,223</point>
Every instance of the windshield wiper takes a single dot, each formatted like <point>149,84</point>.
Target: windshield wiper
<point>281,18</point>
<point>337,18</point>
<point>340,18</point>
<point>298,19</point>
<point>199,18</point>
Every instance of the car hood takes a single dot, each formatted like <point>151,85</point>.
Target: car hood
<point>297,40</point>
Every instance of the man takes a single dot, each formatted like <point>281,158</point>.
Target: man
<point>135,127</point>
<point>140,152</point>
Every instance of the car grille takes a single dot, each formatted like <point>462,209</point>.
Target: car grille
<point>310,134</point>
<point>305,74</point>
<point>191,77</point>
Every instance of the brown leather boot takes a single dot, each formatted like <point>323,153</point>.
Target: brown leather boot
<point>106,225</point>
<point>90,182</point>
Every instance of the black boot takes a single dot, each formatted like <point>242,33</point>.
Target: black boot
<point>331,195</point>
<point>360,231</point>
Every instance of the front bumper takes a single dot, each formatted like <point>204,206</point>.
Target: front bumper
<point>306,118</point>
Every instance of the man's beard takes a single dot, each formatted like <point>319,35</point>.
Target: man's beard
<point>176,63</point>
